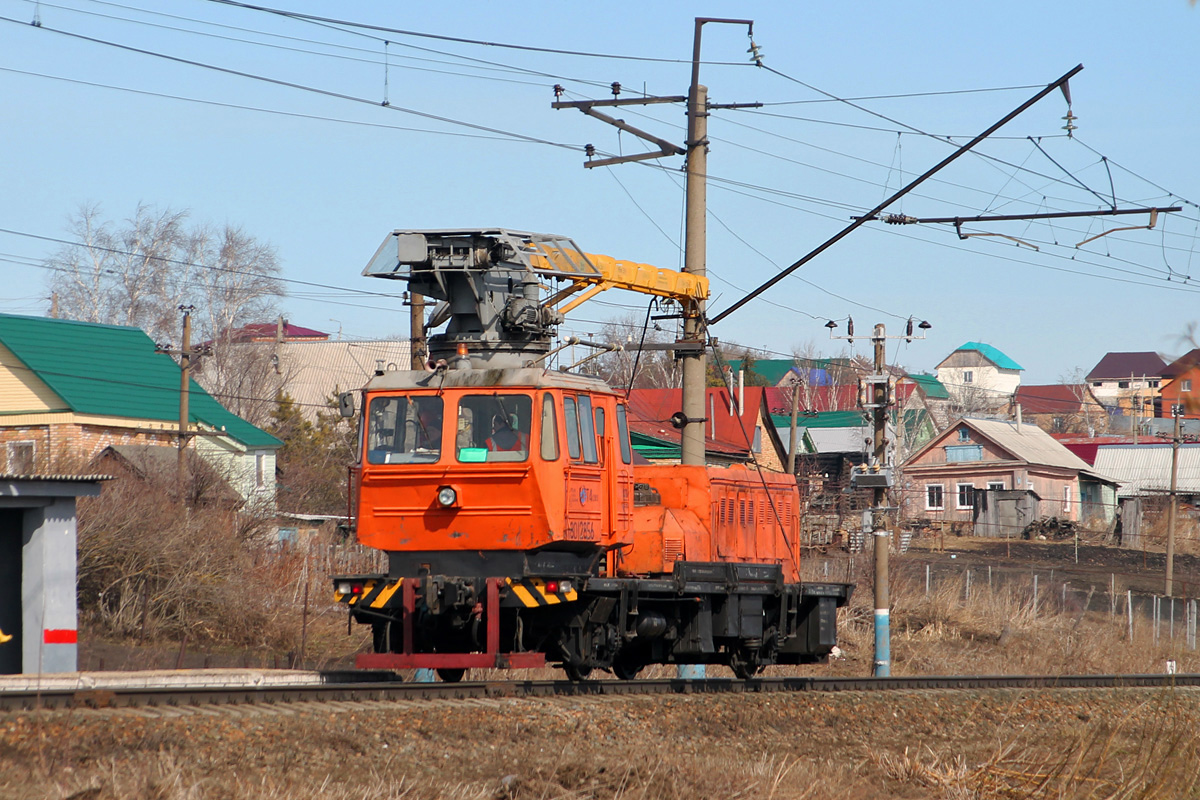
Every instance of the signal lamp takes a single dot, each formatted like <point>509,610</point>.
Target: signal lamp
<point>552,587</point>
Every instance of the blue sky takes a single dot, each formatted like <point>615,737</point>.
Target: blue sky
<point>325,178</point>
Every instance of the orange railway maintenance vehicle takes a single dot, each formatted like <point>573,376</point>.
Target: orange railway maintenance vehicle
<point>518,529</point>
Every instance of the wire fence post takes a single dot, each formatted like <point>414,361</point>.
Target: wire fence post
<point>1155,611</point>
<point>927,580</point>
<point>1129,610</point>
<point>968,595</point>
<point>989,577</point>
<point>1035,593</point>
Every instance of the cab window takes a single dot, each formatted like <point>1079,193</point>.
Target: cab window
<point>571,420</point>
<point>587,431</point>
<point>623,435</point>
<point>549,434</point>
<point>404,430</point>
<point>493,427</point>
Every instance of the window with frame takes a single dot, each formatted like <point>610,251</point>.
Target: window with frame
<point>549,435</point>
<point>404,430</point>
<point>965,495</point>
<point>623,434</point>
<point>964,434</point>
<point>1186,385</point>
<point>968,376</point>
<point>1067,497</point>
<point>998,485</point>
<point>493,427</point>
<point>964,452</point>
<point>934,497</point>
<point>21,458</point>
<point>1122,384</point>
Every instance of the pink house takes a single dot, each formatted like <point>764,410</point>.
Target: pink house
<point>939,481</point>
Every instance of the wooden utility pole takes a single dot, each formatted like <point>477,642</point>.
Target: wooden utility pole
<point>1176,411</point>
<point>416,330</point>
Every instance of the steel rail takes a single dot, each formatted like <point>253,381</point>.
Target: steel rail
<point>370,687</point>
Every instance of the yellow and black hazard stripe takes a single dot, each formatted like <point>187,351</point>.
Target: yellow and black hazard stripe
<point>532,592</point>
<point>376,593</point>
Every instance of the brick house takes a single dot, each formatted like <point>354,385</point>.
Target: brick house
<point>1182,385</point>
<point>940,480</point>
<point>1059,407</point>
<point>68,390</point>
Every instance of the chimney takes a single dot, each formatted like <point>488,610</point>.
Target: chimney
<point>1018,417</point>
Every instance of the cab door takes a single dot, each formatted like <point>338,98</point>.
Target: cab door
<point>587,515</point>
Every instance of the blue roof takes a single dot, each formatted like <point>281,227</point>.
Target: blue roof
<point>992,354</point>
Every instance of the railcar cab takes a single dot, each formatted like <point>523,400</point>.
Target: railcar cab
<point>515,472</point>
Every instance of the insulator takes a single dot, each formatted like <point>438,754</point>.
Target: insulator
<point>558,90</point>
<point>589,150</point>
<point>616,88</point>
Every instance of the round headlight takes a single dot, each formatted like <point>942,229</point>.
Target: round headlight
<point>446,496</point>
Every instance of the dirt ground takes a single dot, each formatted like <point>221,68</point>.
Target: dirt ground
<point>851,745</point>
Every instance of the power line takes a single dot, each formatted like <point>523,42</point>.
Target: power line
<point>463,40</point>
<point>301,87</point>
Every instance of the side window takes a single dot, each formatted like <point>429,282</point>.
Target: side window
<point>549,429</point>
<point>587,430</point>
<point>571,420</point>
<point>623,435</point>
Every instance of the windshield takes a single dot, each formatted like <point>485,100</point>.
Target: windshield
<point>404,430</point>
<point>493,427</point>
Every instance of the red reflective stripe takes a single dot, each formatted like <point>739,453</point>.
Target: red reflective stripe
<point>60,637</point>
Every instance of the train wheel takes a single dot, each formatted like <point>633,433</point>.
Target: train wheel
<point>451,674</point>
<point>745,664</point>
<point>627,668</point>
<point>576,673</point>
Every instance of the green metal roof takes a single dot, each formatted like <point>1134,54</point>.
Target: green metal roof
<point>650,447</point>
<point>825,419</point>
<point>932,387</point>
<point>114,371</point>
<point>992,354</point>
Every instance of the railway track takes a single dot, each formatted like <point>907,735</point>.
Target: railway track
<point>359,688</point>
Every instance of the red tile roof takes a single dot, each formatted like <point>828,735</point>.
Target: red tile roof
<point>650,413</point>
<point>265,331</point>
<point>1053,398</point>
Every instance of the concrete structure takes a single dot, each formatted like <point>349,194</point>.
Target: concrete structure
<point>979,377</point>
<point>37,571</point>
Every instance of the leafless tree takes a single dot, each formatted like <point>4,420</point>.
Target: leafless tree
<point>140,270</point>
<point>655,369</point>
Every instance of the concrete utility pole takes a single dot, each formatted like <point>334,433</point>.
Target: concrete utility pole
<point>695,363</point>
<point>876,394</point>
<point>1177,412</point>
<point>185,363</point>
<point>880,391</point>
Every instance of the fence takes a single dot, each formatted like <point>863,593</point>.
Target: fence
<point>1168,617</point>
